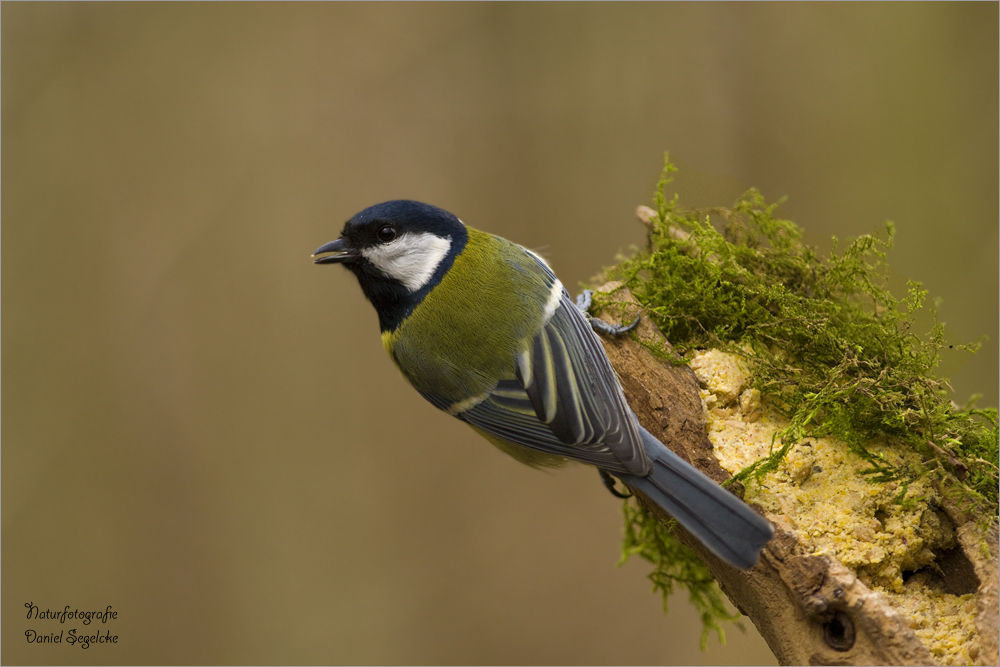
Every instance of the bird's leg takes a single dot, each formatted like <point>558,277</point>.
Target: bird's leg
<point>599,325</point>
<point>609,482</point>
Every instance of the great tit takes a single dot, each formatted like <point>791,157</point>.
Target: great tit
<point>484,330</point>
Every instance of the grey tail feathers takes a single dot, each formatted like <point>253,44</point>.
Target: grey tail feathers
<point>724,523</point>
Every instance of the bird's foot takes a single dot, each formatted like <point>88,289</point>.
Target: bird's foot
<point>599,325</point>
<point>609,482</point>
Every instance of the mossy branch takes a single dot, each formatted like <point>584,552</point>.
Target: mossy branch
<point>833,354</point>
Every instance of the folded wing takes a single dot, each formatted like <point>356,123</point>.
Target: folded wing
<point>565,399</point>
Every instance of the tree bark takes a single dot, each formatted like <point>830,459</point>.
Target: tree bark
<point>810,609</point>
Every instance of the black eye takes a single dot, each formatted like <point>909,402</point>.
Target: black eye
<point>386,233</point>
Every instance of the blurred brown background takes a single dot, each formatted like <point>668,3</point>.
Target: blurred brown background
<point>201,428</point>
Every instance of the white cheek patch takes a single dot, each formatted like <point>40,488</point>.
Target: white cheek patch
<point>411,259</point>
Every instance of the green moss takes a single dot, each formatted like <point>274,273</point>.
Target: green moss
<point>828,344</point>
<point>674,564</point>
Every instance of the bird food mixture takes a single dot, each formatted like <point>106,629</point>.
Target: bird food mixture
<point>891,543</point>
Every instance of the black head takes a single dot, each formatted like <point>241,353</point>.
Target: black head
<point>399,250</point>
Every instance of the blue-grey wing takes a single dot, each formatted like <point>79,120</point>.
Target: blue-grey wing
<point>565,400</point>
<point>509,415</point>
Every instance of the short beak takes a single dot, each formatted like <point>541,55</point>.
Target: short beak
<point>339,253</point>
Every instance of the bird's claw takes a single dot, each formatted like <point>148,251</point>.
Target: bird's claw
<point>612,329</point>
<point>609,482</point>
<point>583,303</point>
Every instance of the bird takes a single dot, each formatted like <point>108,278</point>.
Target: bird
<point>484,331</point>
